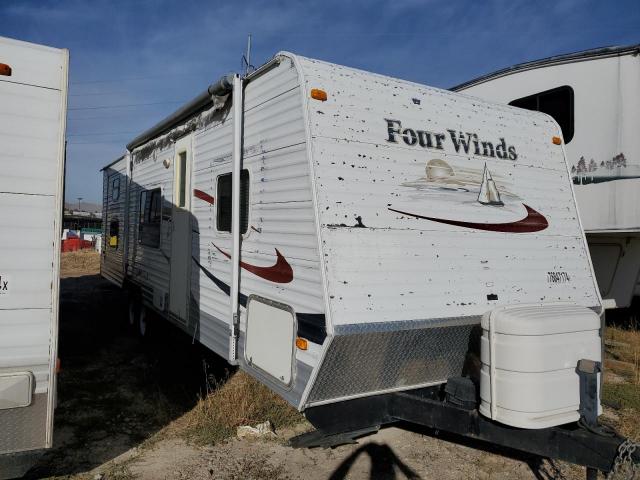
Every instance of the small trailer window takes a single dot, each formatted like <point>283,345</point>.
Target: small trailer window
<point>150,217</point>
<point>115,189</point>
<point>223,217</point>
<point>114,232</point>
<point>557,102</point>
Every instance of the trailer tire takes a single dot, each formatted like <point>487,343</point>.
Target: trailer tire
<point>143,322</point>
<point>135,306</point>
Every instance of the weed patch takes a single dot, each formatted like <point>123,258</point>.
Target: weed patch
<point>240,400</point>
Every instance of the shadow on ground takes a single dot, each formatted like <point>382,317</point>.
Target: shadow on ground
<point>115,389</point>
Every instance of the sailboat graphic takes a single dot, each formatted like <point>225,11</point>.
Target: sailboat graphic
<point>489,194</point>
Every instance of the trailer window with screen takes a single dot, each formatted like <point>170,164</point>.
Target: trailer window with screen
<point>557,102</point>
<point>150,217</point>
<point>223,215</point>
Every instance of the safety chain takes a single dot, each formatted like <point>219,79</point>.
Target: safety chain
<point>624,468</point>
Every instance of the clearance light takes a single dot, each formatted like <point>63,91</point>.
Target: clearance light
<point>318,94</point>
<point>302,343</point>
<point>556,140</point>
<point>5,70</point>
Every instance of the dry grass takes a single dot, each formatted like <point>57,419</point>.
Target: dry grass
<point>240,400</point>
<point>81,262</point>
<point>622,364</point>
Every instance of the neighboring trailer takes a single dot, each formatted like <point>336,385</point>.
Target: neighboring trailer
<point>594,96</point>
<point>33,95</point>
<point>342,236</point>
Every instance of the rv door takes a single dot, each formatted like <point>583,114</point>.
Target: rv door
<point>181,231</point>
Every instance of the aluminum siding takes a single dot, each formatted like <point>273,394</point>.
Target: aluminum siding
<point>112,260</point>
<point>32,130</point>
<point>281,213</point>
<point>404,268</point>
<point>149,267</point>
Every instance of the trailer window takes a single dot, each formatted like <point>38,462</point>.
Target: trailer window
<point>223,199</point>
<point>115,189</point>
<point>557,102</point>
<point>114,233</point>
<point>150,217</point>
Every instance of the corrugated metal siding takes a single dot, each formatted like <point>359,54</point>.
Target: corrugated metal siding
<point>150,266</point>
<point>113,207</point>
<point>32,125</point>
<point>402,268</point>
<point>281,213</point>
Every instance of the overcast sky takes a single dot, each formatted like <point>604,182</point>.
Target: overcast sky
<point>135,61</point>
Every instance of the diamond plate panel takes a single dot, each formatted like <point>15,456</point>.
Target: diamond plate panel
<point>372,362</point>
<point>24,428</point>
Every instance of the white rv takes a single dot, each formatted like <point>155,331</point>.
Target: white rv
<point>595,98</point>
<point>33,95</point>
<point>340,235</point>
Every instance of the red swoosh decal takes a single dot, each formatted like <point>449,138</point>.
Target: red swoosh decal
<point>203,196</point>
<point>280,272</point>
<point>533,222</point>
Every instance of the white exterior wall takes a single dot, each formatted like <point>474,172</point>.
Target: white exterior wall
<point>32,127</point>
<point>281,215</point>
<point>149,266</point>
<point>114,201</point>
<point>405,268</point>
<point>607,119</point>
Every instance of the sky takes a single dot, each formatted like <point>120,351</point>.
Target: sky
<point>133,62</point>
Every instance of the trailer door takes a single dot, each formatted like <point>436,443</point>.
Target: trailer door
<point>33,88</point>
<point>181,234</point>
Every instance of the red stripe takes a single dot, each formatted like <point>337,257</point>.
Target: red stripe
<point>203,196</point>
<point>280,272</point>
<point>533,222</point>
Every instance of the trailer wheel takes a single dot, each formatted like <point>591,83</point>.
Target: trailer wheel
<point>134,309</point>
<point>143,327</point>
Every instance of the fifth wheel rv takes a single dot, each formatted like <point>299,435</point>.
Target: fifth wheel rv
<point>594,96</point>
<point>33,95</point>
<point>365,247</point>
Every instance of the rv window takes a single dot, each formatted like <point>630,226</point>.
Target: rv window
<point>557,102</point>
<point>223,199</point>
<point>182,179</point>
<point>150,217</point>
<point>114,231</point>
<point>115,189</point>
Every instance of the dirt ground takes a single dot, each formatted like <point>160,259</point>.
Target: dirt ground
<point>118,398</point>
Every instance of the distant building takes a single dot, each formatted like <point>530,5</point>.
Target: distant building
<point>78,220</point>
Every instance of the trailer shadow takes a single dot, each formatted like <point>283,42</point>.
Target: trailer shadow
<point>384,463</point>
<point>114,389</point>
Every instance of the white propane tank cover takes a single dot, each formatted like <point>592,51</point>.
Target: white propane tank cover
<point>529,357</point>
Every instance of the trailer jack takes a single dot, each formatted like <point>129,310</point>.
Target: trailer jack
<point>343,422</point>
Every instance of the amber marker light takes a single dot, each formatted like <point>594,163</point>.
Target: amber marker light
<point>556,140</point>
<point>5,70</point>
<point>302,343</point>
<point>318,94</point>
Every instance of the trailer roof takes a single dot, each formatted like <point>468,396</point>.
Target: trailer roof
<point>112,163</point>
<point>602,52</point>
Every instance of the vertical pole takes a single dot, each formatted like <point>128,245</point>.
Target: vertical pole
<point>235,215</point>
<point>246,71</point>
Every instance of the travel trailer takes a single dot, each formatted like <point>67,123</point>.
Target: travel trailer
<point>33,95</point>
<point>594,97</point>
<point>358,243</point>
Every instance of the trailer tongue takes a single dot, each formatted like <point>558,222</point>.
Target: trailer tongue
<point>596,448</point>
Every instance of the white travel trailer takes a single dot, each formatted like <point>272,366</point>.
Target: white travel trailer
<point>33,95</point>
<point>595,98</point>
<point>340,235</point>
